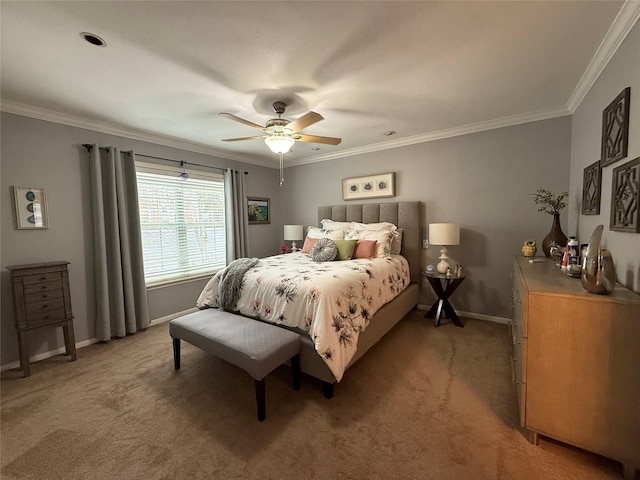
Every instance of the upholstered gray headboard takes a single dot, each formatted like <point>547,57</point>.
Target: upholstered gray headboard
<point>405,215</point>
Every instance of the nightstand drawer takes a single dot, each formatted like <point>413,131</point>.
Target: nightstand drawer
<point>51,285</point>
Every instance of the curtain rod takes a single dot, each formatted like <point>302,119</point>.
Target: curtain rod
<point>89,147</point>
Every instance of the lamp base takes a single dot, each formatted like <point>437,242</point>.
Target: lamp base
<point>443,265</point>
<point>294,248</point>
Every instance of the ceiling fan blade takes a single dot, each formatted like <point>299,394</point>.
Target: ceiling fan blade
<point>317,139</point>
<point>244,138</point>
<point>304,121</point>
<point>241,120</point>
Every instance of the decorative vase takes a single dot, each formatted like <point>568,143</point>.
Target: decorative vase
<point>554,237</point>
<point>529,250</point>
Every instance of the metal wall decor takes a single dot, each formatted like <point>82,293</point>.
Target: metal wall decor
<point>625,197</point>
<point>591,185</point>
<point>615,129</point>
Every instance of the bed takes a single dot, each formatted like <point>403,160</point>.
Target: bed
<point>397,274</point>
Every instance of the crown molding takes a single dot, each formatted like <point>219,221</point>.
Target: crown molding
<point>618,31</point>
<point>113,129</point>
<point>440,134</point>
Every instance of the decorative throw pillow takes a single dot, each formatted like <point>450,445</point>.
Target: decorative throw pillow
<point>308,243</point>
<point>345,249</point>
<point>365,249</point>
<point>387,226</point>
<point>333,225</point>
<point>315,232</point>
<point>396,243</point>
<point>324,250</point>
<point>382,237</point>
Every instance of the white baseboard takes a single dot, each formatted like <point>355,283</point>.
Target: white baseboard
<point>168,318</point>
<point>477,316</point>
<point>85,343</point>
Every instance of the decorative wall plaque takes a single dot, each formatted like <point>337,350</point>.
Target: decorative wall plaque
<point>625,197</point>
<point>591,184</point>
<point>615,129</point>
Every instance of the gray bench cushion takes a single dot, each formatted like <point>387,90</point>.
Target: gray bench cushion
<point>254,346</point>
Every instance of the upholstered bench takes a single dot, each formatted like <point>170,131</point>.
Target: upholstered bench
<point>256,347</point>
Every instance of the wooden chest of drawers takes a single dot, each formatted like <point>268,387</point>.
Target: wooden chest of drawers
<point>576,358</point>
<point>41,299</point>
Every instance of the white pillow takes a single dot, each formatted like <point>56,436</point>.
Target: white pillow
<point>382,237</point>
<point>333,225</point>
<point>315,232</point>
<point>373,226</point>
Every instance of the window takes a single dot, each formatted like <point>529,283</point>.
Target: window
<point>182,223</point>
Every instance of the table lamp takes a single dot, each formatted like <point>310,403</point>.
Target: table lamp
<point>444,234</point>
<point>293,233</point>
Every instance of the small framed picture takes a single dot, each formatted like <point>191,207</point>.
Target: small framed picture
<point>31,207</point>
<point>372,186</point>
<point>259,210</point>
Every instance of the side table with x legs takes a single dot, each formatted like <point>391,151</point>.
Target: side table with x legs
<point>443,286</point>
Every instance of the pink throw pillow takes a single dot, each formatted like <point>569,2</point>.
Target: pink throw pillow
<point>365,249</point>
<point>308,243</point>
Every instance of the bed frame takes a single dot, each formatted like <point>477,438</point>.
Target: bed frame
<point>407,216</point>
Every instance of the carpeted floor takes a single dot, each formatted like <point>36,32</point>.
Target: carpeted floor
<point>425,403</point>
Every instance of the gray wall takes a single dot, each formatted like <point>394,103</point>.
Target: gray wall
<point>622,71</point>
<point>481,181</point>
<point>40,153</point>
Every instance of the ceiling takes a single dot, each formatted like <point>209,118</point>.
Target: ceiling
<point>423,70</point>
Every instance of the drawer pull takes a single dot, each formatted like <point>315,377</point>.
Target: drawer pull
<point>43,278</point>
<point>44,307</point>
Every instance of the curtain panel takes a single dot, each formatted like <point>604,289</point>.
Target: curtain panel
<point>236,215</point>
<point>120,290</point>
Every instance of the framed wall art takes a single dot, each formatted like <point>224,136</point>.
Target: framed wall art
<point>615,129</point>
<point>372,186</point>
<point>591,186</point>
<point>259,210</point>
<point>625,197</point>
<point>31,207</point>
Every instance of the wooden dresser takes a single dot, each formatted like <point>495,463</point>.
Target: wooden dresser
<point>41,299</point>
<point>577,362</point>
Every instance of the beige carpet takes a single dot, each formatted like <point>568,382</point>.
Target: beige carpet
<point>425,403</point>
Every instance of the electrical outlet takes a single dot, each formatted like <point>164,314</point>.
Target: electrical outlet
<point>425,243</point>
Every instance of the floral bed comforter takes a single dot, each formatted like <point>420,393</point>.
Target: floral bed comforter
<point>332,301</point>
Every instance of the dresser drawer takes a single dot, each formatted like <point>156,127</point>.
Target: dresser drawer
<point>41,277</point>
<point>48,286</point>
<point>43,295</point>
<point>44,306</point>
<point>44,317</point>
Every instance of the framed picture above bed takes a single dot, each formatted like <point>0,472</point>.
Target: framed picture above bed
<point>372,186</point>
<point>259,210</point>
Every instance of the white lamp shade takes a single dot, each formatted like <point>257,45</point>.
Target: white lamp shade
<point>444,234</point>
<point>279,143</point>
<point>293,232</point>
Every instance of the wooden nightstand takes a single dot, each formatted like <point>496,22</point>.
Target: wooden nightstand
<point>41,299</point>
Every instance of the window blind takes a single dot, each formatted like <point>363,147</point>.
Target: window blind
<point>182,223</point>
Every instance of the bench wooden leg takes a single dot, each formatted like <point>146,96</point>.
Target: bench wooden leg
<point>295,371</point>
<point>327,389</point>
<point>176,353</point>
<point>260,400</point>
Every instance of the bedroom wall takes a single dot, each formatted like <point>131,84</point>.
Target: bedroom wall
<point>622,71</point>
<point>40,153</point>
<point>481,180</point>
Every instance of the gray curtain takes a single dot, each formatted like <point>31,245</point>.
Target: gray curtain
<point>121,293</point>
<point>236,215</point>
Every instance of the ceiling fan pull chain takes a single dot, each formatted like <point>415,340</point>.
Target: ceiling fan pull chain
<point>281,168</point>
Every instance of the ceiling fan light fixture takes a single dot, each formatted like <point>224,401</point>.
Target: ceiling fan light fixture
<point>279,144</point>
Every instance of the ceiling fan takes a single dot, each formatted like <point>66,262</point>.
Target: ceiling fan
<point>280,133</point>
